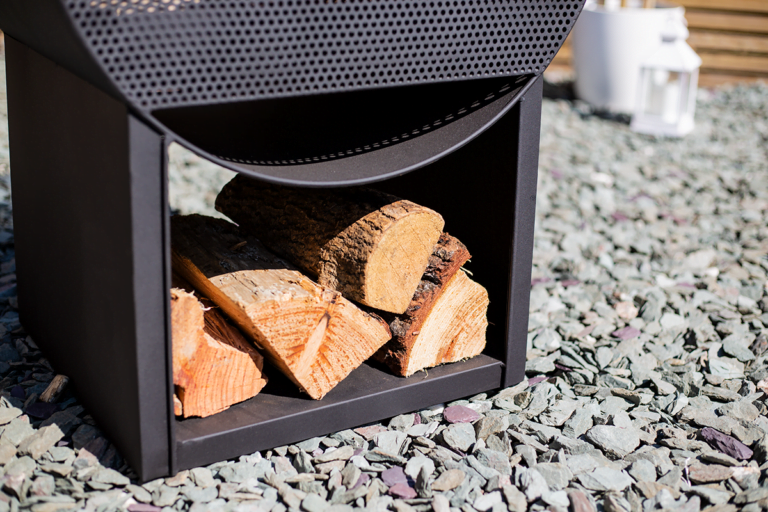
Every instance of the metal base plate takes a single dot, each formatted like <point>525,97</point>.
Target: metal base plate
<point>279,415</point>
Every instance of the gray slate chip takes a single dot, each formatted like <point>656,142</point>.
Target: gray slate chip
<point>459,436</point>
<point>616,442</point>
<point>556,474</point>
<point>605,479</point>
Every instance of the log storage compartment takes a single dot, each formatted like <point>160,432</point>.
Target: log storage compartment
<point>435,102</point>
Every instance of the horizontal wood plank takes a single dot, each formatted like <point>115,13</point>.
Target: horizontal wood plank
<point>700,40</point>
<point>755,23</point>
<point>733,45</point>
<point>717,79</point>
<point>727,5</point>
<point>731,62</point>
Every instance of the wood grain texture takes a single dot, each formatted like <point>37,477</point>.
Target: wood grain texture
<point>704,40</point>
<point>54,389</point>
<point>728,62</point>
<point>756,23</point>
<point>727,5</point>
<point>214,366</point>
<point>370,246</point>
<point>312,334</point>
<point>446,319</point>
<point>718,79</point>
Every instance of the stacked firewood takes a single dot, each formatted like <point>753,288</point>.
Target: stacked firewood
<point>316,281</point>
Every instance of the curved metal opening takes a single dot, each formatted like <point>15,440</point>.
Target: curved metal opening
<point>347,138</point>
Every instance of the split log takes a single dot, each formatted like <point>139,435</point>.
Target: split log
<point>370,246</point>
<point>312,334</point>
<point>446,320</point>
<point>54,389</point>
<point>214,366</point>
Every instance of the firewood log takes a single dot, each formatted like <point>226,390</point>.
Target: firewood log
<point>312,334</point>
<point>214,366</point>
<point>370,246</point>
<point>446,320</point>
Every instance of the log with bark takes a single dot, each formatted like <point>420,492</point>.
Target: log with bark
<point>446,319</point>
<point>370,246</point>
<point>312,334</point>
<point>214,366</point>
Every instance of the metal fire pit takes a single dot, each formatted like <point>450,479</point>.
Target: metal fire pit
<point>301,92</point>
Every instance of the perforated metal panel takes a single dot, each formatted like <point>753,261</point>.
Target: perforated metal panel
<point>171,53</point>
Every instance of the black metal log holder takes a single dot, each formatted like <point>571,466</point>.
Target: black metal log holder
<point>299,92</point>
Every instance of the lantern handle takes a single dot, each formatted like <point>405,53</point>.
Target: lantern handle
<point>674,29</point>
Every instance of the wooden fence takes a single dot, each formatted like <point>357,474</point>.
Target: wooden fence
<point>731,36</point>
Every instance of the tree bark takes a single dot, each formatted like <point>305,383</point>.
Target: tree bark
<point>214,366</point>
<point>370,246</point>
<point>446,319</point>
<point>312,334</point>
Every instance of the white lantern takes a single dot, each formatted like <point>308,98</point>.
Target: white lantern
<point>666,97</point>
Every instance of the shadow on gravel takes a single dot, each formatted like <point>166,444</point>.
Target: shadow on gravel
<point>566,91</point>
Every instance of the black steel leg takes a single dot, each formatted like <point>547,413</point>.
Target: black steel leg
<point>89,214</point>
<point>523,220</point>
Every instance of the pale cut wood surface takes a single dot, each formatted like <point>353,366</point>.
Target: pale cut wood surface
<point>446,319</point>
<point>370,246</point>
<point>214,366</point>
<point>312,334</point>
<point>455,328</point>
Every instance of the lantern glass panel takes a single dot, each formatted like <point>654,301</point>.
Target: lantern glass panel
<point>666,94</point>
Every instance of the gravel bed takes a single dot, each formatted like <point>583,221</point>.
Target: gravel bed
<point>646,365</point>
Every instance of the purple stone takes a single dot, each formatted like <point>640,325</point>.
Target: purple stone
<point>535,380</point>
<point>97,446</point>
<point>460,414</point>
<point>42,410</point>
<point>563,368</point>
<point>394,476</point>
<point>370,432</point>
<point>18,392</point>
<point>417,419</point>
<point>726,444</point>
<point>143,507</point>
<point>569,282</point>
<point>619,217</point>
<point>627,333</point>
<point>556,174</point>
<point>540,280</point>
<point>364,478</point>
<point>403,491</point>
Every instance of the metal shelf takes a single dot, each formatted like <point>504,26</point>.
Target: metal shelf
<point>278,415</point>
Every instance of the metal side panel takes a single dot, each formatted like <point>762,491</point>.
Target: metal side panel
<point>88,212</point>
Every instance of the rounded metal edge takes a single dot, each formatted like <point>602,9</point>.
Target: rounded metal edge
<point>383,153</point>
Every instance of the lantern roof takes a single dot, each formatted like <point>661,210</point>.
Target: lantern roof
<point>673,53</point>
